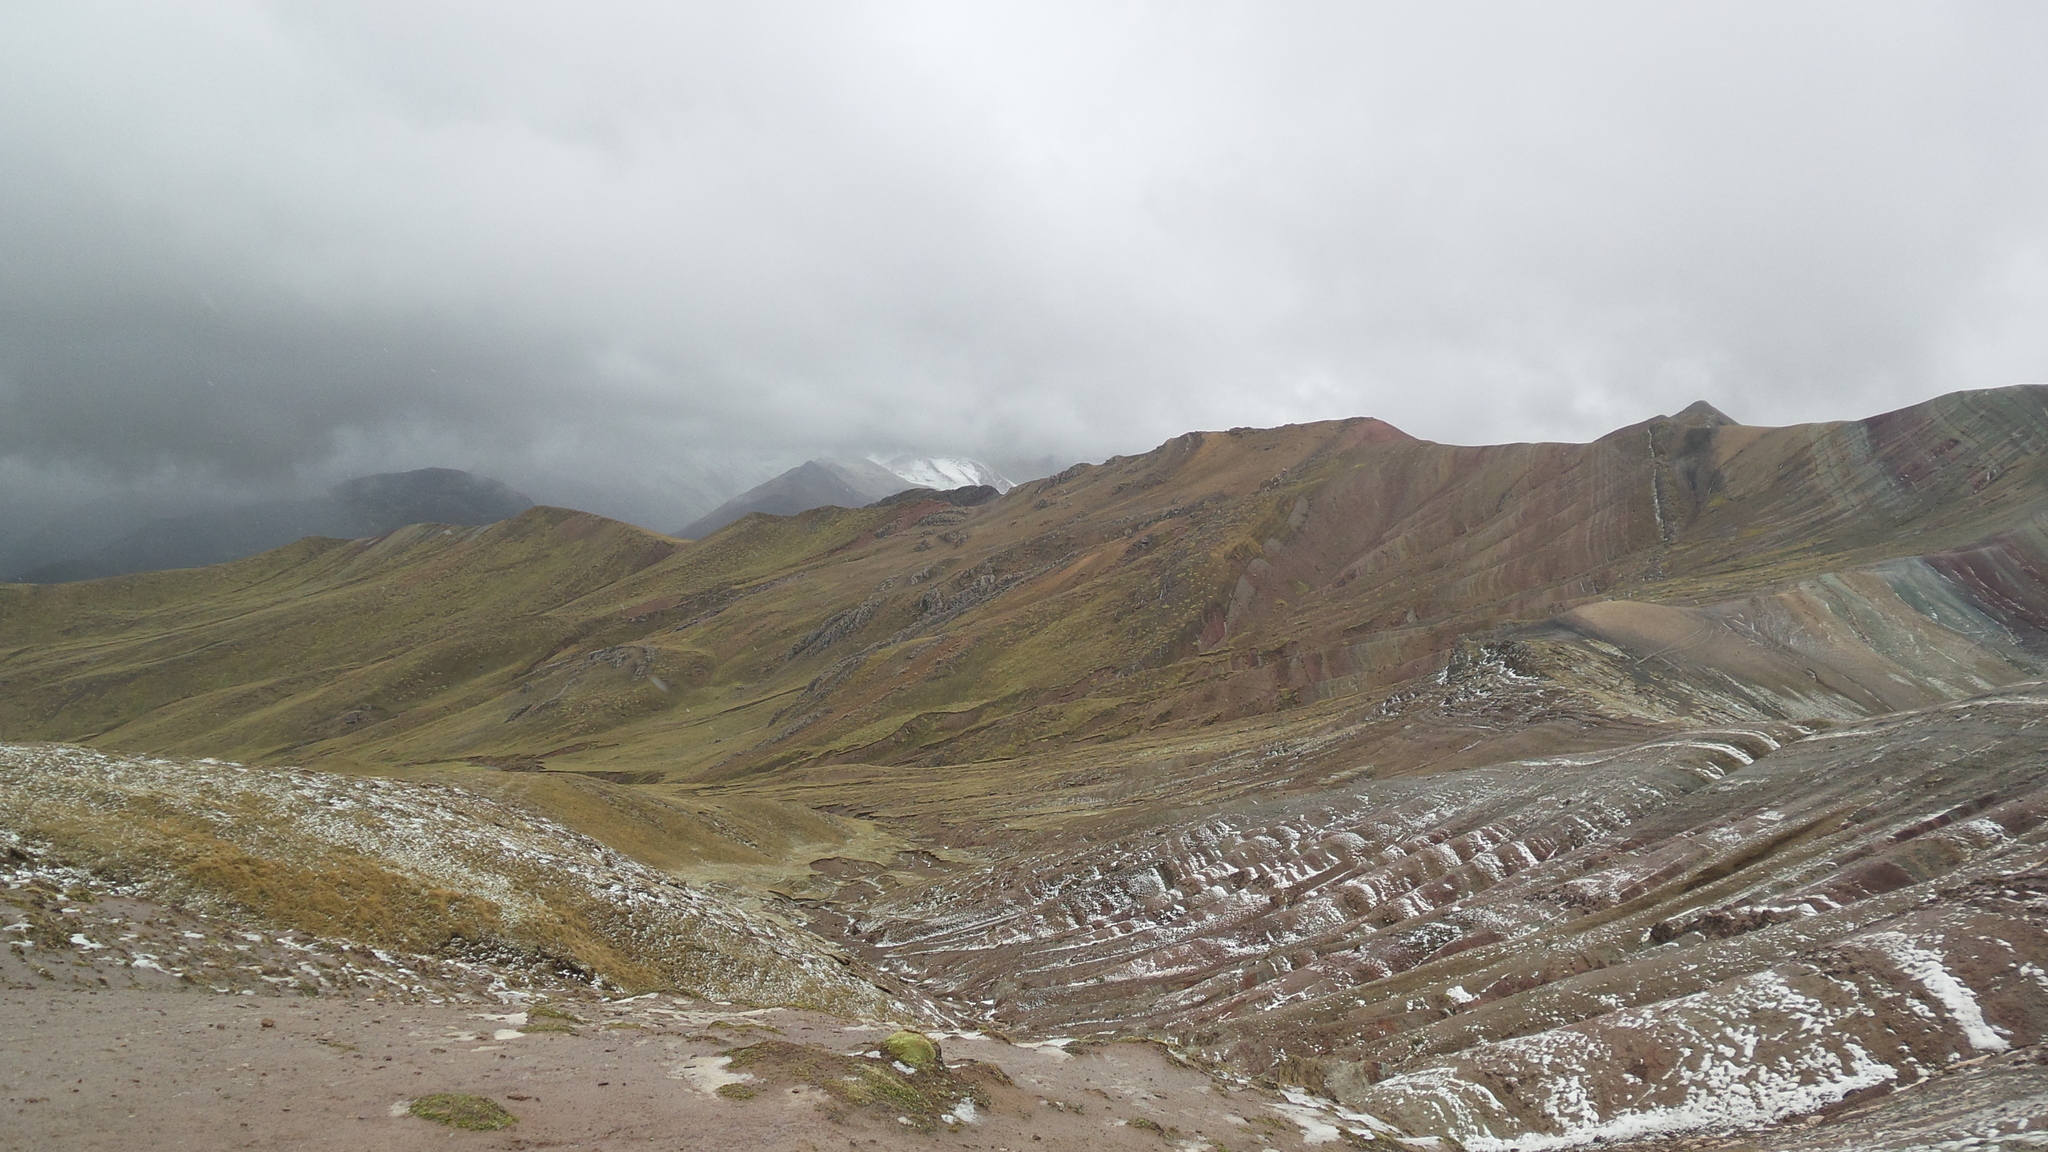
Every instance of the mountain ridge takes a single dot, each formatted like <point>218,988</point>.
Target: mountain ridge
<point>1448,782</point>
<point>1018,588</point>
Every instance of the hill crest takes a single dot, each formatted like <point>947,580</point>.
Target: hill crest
<point>1220,577</point>
<point>1447,781</point>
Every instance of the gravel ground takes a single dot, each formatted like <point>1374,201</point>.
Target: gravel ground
<point>133,1068</point>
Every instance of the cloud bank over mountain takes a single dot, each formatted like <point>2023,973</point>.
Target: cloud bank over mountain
<point>640,257</point>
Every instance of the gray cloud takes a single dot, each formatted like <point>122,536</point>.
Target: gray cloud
<point>625,256</point>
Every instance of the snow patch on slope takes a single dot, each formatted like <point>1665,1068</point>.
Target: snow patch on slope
<point>1750,1052</point>
<point>944,472</point>
<point>1926,967</point>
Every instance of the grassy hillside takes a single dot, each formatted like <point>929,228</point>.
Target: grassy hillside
<point>1453,782</point>
<point>1224,578</point>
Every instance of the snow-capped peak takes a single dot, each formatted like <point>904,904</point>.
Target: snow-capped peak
<point>944,472</point>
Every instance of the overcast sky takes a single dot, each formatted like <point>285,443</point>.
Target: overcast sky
<point>604,251</point>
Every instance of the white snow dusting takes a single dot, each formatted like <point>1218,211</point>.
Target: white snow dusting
<point>1926,967</point>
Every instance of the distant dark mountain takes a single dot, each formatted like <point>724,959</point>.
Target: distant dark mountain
<point>365,506</point>
<point>374,505</point>
<point>812,484</point>
<point>34,535</point>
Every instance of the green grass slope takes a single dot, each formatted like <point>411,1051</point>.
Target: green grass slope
<point>1219,579</point>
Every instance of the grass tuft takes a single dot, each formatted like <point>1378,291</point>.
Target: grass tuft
<point>460,1110</point>
<point>923,1100</point>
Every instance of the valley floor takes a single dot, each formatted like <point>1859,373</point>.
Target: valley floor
<point>128,1068</point>
<point>132,1068</point>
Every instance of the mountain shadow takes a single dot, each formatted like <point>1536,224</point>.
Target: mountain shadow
<point>364,506</point>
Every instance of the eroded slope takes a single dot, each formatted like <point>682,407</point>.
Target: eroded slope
<point>1698,933</point>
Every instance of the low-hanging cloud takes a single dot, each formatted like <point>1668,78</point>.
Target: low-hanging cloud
<point>628,253</point>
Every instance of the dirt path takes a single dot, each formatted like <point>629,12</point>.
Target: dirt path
<point>127,1069</point>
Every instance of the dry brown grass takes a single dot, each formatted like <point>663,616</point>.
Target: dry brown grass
<point>411,868</point>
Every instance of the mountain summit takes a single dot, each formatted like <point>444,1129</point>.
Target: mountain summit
<point>1699,412</point>
<point>942,473</point>
<point>845,484</point>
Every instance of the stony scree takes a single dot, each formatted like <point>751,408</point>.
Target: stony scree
<point>472,877</point>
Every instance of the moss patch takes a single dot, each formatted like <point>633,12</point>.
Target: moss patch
<point>915,1049</point>
<point>926,1099</point>
<point>460,1110</point>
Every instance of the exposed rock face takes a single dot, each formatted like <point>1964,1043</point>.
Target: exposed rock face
<point>1523,794</point>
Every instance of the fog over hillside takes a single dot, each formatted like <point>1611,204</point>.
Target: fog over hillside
<point>1095,577</point>
<point>364,506</point>
<point>642,258</point>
